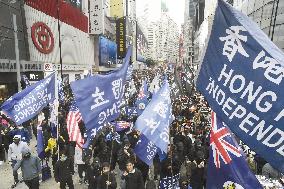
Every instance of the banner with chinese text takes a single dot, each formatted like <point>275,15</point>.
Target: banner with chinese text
<point>241,77</point>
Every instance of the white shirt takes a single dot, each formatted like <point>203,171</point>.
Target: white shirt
<point>78,155</point>
<point>15,151</point>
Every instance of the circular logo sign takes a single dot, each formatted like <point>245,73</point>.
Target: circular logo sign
<point>48,67</point>
<point>42,37</point>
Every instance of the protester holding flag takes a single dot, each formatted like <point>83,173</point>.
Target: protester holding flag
<point>107,179</point>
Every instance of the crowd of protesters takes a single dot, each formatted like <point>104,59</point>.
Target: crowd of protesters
<point>111,155</point>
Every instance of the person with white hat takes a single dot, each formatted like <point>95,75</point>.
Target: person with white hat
<point>15,154</point>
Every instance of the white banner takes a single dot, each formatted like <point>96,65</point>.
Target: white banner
<point>96,17</point>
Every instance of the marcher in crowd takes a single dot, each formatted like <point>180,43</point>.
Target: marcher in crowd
<point>31,168</point>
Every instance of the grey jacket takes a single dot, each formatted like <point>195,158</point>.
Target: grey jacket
<point>30,167</point>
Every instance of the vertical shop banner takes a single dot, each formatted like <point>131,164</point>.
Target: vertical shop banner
<point>116,8</point>
<point>141,45</point>
<point>96,17</point>
<point>121,37</point>
<point>108,52</point>
<point>241,78</point>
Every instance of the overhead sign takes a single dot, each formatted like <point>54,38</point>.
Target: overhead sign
<point>116,8</point>
<point>34,76</point>
<point>42,37</point>
<point>7,65</point>
<point>121,37</point>
<point>108,52</point>
<point>96,17</point>
<point>241,77</point>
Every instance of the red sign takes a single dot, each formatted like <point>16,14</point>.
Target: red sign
<point>42,37</point>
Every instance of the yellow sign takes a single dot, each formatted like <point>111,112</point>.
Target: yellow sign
<point>116,8</point>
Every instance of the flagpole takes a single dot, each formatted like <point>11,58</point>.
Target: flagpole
<point>110,160</point>
<point>56,104</point>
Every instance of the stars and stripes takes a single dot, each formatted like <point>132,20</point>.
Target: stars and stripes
<point>121,125</point>
<point>73,119</point>
<point>220,146</point>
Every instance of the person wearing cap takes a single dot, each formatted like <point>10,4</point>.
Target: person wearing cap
<point>107,179</point>
<point>15,154</point>
<point>31,168</point>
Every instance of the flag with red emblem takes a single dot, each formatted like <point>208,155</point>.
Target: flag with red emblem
<point>227,167</point>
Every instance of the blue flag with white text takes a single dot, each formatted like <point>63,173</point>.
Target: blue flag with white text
<point>29,102</point>
<point>145,150</point>
<point>40,144</point>
<point>99,97</point>
<point>241,77</point>
<point>142,99</point>
<point>227,166</point>
<point>155,120</point>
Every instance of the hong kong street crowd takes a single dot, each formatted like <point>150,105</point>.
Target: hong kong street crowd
<point>110,162</point>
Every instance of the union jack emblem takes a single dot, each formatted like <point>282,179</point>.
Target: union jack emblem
<point>141,93</point>
<point>220,147</point>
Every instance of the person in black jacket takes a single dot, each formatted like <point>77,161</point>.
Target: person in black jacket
<point>107,179</point>
<point>63,172</point>
<point>93,172</point>
<point>170,166</point>
<point>133,177</point>
<point>125,154</point>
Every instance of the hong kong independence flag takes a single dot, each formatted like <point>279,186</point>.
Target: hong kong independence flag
<point>227,168</point>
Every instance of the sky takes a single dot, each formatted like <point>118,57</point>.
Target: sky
<point>176,10</point>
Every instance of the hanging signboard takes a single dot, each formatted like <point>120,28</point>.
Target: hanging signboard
<point>96,17</point>
<point>121,37</point>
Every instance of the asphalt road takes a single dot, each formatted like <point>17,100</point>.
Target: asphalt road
<point>6,177</point>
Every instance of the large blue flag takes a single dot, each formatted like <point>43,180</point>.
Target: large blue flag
<point>154,122</point>
<point>227,167</point>
<point>241,77</point>
<point>40,143</point>
<point>142,99</point>
<point>29,102</point>
<point>145,150</point>
<point>99,97</point>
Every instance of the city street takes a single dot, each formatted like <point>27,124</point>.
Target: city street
<point>7,178</point>
<point>142,94</point>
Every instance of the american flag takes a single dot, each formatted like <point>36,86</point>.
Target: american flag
<point>121,125</point>
<point>73,119</point>
<point>220,146</point>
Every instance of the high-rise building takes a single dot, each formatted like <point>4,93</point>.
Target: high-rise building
<point>168,39</point>
<point>268,14</point>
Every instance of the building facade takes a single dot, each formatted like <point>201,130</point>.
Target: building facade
<point>268,14</point>
<point>167,42</point>
<point>50,33</point>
